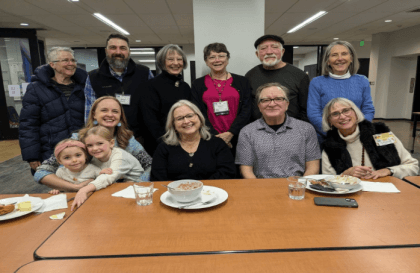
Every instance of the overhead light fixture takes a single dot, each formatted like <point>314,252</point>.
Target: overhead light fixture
<point>142,53</point>
<point>73,0</point>
<point>147,61</point>
<point>145,49</point>
<point>308,21</point>
<point>138,41</point>
<point>336,38</point>
<point>24,24</point>
<point>295,47</point>
<point>388,21</point>
<point>110,23</point>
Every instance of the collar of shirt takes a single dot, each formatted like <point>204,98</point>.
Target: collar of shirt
<point>113,73</point>
<point>340,77</point>
<point>262,125</point>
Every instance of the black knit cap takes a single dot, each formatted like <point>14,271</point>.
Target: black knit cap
<point>269,36</point>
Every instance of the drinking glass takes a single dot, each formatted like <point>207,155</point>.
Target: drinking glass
<point>144,193</point>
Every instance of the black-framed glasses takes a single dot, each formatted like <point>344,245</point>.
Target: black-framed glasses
<point>188,117</point>
<point>215,57</point>
<point>276,100</point>
<point>66,61</point>
<point>337,114</point>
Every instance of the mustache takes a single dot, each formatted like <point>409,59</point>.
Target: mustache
<point>270,56</point>
<point>118,55</point>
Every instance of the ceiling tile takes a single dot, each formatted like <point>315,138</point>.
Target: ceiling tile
<point>58,7</point>
<point>165,29</point>
<point>311,6</point>
<point>184,19</point>
<point>20,7</point>
<point>180,6</point>
<point>108,6</point>
<point>357,6</point>
<point>158,19</point>
<point>279,6</point>
<point>147,7</point>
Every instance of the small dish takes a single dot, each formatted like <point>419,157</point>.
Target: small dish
<point>208,193</point>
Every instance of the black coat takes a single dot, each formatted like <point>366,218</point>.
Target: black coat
<point>47,116</point>
<point>241,84</point>
<point>380,156</point>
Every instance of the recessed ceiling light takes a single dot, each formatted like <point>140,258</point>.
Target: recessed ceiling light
<point>147,61</point>
<point>336,38</point>
<point>24,24</point>
<point>308,21</point>
<point>295,47</point>
<point>138,41</point>
<point>388,21</point>
<point>73,0</point>
<point>110,23</point>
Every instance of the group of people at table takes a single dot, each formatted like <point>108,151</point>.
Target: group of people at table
<point>273,122</point>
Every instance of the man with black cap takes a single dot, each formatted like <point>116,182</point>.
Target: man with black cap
<point>272,69</point>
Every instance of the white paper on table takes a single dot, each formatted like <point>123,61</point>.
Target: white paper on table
<point>24,86</point>
<point>14,90</point>
<point>127,193</point>
<point>378,186</point>
<point>54,202</point>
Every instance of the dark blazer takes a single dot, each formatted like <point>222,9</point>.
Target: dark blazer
<point>241,84</point>
<point>47,116</point>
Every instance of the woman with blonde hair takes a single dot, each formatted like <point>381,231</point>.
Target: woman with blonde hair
<point>108,112</point>
<point>188,150</point>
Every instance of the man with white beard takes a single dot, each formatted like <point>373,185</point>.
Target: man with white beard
<point>119,76</point>
<point>272,69</point>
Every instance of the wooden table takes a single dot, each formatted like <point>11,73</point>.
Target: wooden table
<point>413,179</point>
<point>400,260</point>
<point>19,237</point>
<point>415,114</point>
<point>258,216</point>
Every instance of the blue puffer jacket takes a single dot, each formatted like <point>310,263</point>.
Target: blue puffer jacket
<point>47,116</point>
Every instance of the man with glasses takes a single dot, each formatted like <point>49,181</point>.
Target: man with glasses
<point>277,145</point>
<point>121,77</point>
<point>52,107</point>
<point>272,69</point>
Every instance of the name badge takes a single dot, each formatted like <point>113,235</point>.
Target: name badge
<point>384,139</point>
<point>124,99</point>
<point>221,108</point>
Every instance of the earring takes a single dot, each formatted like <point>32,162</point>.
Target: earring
<point>95,122</point>
<point>119,124</point>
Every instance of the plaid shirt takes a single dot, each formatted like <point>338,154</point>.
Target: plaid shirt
<point>90,95</point>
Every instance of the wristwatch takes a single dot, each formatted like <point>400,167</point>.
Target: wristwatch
<point>392,171</point>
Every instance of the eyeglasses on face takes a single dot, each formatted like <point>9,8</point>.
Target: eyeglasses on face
<point>188,117</point>
<point>345,111</point>
<point>276,100</point>
<point>215,57</point>
<point>273,46</point>
<point>66,61</point>
<point>172,60</point>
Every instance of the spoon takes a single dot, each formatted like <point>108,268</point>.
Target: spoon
<point>166,186</point>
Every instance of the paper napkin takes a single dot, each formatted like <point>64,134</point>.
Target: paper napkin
<point>127,193</point>
<point>378,186</point>
<point>54,202</point>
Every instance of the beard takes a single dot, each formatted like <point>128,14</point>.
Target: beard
<point>271,63</point>
<point>117,63</point>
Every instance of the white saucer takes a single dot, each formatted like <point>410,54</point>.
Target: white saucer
<point>208,193</point>
<point>36,203</point>
<point>322,176</point>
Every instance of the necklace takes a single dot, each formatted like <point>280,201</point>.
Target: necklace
<point>218,83</point>
<point>191,150</point>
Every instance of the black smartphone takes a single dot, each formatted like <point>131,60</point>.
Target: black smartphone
<point>336,202</point>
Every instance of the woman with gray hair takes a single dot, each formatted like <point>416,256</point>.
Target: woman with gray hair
<point>357,147</point>
<point>339,79</point>
<point>53,106</point>
<point>188,150</point>
<point>162,92</point>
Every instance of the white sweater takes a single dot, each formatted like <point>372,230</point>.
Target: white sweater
<point>89,172</point>
<point>409,166</point>
<point>123,165</point>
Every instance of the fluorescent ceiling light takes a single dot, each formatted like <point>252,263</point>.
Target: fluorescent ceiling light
<point>73,0</point>
<point>142,53</point>
<point>24,24</point>
<point>295,47</point>
<point>388,21</point>
<point>308,21</point>
<point>147,61</point>
<point>148,49</point>
<point>138,41</point>
<point>110,23</point>
<point>336,38</point>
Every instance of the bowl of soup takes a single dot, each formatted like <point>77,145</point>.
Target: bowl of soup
<point>185,190</point>
<point>344,181</point>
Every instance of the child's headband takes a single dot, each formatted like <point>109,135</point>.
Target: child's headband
<point>74,143</point>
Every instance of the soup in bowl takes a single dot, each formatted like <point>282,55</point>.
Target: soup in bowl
<point>185,190</point>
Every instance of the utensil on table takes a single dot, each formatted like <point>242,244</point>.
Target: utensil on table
<point>166,186</point>
<point>190,205</point>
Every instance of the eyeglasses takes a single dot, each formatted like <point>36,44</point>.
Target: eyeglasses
<point>172,60</point>
<point>276,100</point>
<point>273,46</point>
<point>66,61</point>
<point>345,111</point>
<point>215,57</point>
<point>188,117</point>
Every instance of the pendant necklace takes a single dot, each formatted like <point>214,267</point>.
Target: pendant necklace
<point>217,84</point>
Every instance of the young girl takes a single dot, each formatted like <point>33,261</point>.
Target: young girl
<point>73,156</point>
<point>100,144</point>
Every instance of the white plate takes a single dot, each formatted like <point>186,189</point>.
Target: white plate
<point>36,204</point>
<point>208,193</point>
<point>323,176</point>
